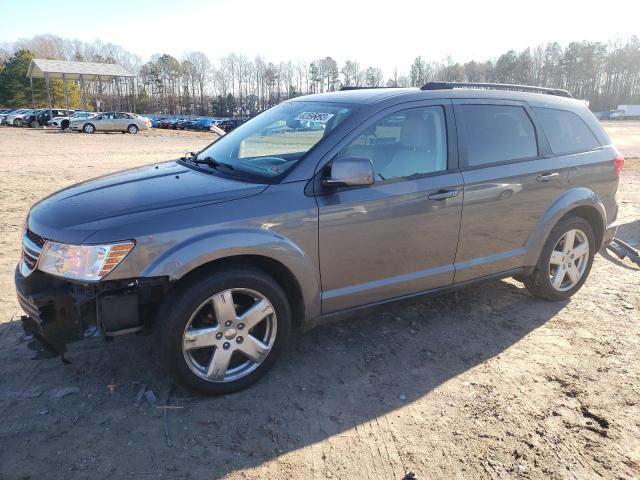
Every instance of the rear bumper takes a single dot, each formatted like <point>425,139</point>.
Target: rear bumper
<point>59,312</point>
<point>609,234</point>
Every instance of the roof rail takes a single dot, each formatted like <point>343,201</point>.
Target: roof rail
<point>495,86</point>
<point>361,88</point>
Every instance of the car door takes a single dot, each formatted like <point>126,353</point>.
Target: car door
<point>510,180</point>
<point>398,236</point>
<point>122,121</point>
<point>105,122</point>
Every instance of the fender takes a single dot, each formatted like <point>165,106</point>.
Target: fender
<point>569,200</point>
<point>183,257</point>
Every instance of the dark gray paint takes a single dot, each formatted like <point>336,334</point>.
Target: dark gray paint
<point>346,246</point>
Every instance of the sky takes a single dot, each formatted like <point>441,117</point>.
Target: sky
<point>387,34</point>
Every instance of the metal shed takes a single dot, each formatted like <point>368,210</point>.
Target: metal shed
<point>82,71</point>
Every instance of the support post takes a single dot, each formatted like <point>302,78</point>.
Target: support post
<point>135,94</point>
<point>46,81</point>
<point>66,93</point>
<point>83,95</point>
<point>33,95</point>
<point>116,79</point>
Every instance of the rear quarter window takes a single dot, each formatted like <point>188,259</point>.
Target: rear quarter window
<point>498,133</point>
<point>567,132</point>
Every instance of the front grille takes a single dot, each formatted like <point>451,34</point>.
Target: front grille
<point>35,238</point>
<point>31,248</point>
<point>29,307</point>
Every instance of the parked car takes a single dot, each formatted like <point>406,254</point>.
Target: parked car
<point>204,123</point>
<point>111,122</point>
<point>221,253</point>
<point>230,124</point>
<point>16,118</point>
<point>5,113</point>
<point>169,123</point>
<point>184,124</point>
<point>42,116</point>
<point>63,121</point>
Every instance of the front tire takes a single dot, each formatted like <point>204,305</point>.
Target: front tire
<point>88,128</point>
<point>17,122</point>
<point>132,129</point>
<point>565,261</point>
<point>219,333</point>
<point>33,124</point>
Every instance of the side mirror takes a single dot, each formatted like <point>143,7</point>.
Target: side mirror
<point>349,172</point>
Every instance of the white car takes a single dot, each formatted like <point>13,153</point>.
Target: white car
<point>63,122</point>
<point>15,118</point>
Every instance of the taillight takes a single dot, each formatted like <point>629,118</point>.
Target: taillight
<point>618,163</point>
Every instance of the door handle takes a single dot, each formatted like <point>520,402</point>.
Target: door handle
<point>443,194</point>
<point>545,177</point>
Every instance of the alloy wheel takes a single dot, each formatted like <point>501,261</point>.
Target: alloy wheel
<point>229,335</point>
<point>569,260</point>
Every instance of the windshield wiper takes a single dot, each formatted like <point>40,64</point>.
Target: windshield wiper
<point>212,162</point>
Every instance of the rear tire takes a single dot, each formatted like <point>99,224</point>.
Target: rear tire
<point>33,124</point>
<point>201,303</point>
<point>64,125</point>
<point>565,261</point>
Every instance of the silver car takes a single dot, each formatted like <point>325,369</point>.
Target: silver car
<point>276,225</point>
<point>111,122</point>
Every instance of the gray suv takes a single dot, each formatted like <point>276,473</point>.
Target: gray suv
<point>316,208</point>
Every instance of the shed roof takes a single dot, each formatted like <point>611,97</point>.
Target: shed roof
<point>72,70</point>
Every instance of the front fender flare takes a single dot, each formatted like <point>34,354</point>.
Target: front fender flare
<point>183,257</point>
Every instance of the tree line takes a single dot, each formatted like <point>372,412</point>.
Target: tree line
<point>604,74</point>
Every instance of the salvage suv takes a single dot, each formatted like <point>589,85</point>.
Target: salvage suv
<point>396,193</point>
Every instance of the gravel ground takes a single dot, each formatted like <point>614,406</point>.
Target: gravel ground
<point>483,383</point>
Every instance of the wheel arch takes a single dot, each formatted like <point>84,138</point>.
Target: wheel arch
<point>274,268</point>
<point>582,202</point>
<point>277,256</point>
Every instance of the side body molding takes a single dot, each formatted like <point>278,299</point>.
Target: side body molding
<point>569,200</point>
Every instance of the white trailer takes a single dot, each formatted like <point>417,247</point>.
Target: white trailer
<point>626,112</point>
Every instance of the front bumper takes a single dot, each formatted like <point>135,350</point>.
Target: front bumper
<point>59,311</point>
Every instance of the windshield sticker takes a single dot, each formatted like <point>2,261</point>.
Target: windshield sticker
<point>319,117</point>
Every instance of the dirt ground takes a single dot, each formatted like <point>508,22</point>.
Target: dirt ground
<point>483,383</point>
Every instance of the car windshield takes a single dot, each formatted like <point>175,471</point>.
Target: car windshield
<point>275,140</point>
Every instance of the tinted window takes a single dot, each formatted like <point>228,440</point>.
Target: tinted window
<point>497,133</point>
<point>405,143</point>
<point>566,131</point>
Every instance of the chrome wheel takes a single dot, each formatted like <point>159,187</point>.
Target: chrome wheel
<point>229,335</point>
<point>569,260</point>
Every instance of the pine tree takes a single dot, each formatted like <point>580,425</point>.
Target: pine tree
<point>15,90</point>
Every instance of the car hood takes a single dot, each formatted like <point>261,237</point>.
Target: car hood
<point>75,213</point>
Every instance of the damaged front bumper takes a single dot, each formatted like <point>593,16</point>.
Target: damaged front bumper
<point>59,311</point>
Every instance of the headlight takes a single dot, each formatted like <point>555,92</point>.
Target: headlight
<point>82,262</point>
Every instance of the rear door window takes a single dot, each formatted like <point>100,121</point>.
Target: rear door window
<point>498,133</point>
<point>567,132</point>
